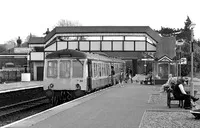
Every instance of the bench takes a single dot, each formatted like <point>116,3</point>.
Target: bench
<point>147,80</point>
<point>170,97</point>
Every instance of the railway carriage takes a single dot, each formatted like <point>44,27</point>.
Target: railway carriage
<point>71,73</point>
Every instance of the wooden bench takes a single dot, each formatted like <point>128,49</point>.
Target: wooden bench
<point>170,97</point>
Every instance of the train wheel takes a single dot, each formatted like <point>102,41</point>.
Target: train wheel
<point>79,93</point>
<point>69,96</point>
<point>55,100</point>
<point>63,97</point>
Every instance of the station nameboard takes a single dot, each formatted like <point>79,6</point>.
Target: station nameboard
<point>22,50</point>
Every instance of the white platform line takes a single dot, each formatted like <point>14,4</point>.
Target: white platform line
<point>23,88</point>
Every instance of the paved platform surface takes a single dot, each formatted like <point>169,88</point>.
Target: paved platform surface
<point>116,107</point>
<point>129,106</point>
<point>8,87</point>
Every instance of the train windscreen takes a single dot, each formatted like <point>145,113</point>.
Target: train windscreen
<point>52,68</point>
<point>65,68</point>
<point>77,69</point>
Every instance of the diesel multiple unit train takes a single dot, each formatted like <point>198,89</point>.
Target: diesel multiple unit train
<point>71,73</point>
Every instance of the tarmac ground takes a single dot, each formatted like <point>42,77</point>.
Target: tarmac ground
<point>130,105</point>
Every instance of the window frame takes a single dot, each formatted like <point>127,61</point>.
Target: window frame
<point>56,67</point>
<point>68,70</point>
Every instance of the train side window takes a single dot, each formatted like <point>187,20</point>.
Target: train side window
<point>99,68</point>
<point>107,69</point>
<point>92,69</point>
<point>65,68</point>
<point>52,69</point>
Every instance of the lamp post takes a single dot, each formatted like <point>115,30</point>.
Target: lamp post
<point>191,27</point>
<point>180,43</point>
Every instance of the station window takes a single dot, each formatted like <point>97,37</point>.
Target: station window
<point>65,68</point>
<point>77,69</point>
<point>52,69</point>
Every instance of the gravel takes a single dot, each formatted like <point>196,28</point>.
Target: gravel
<point>168,119</point>
<point>165,117</point>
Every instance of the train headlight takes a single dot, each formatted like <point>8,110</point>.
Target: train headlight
<point>78,87</point>
<point>50,86</point>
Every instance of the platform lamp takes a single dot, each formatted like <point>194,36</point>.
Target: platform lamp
<point>191,27</point>
<point>180,43</point>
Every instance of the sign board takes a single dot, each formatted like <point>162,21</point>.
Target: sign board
<point>22,50</point>
<point>180,42</point>
<point>183,61</point>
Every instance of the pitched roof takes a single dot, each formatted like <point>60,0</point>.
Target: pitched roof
<point>36,40</point>
<point>104,29</point>
<point>166,47</point>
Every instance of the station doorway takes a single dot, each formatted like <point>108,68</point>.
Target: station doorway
<point>40,73</point>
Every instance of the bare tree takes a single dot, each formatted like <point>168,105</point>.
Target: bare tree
<point>2,48</point>
<point>10,44</point>
<point>63,22</point>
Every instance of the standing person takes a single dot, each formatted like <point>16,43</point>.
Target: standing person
<point>121,77</point>
<point>179,93</point>
<point>129,75</point>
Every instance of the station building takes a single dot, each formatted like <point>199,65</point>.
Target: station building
<point>143,49</point>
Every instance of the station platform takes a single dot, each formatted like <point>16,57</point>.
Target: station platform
<point>14,93</point>
<point>115,107</point>
<point>16,86</point>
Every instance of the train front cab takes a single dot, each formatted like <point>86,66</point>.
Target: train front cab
<point>65,78</point>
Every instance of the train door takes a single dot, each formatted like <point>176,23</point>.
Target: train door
<point>89,79</point>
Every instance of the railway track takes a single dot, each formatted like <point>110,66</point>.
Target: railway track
<point>14,112</point>
<point>18,107</point>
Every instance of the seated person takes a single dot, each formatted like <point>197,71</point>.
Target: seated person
<point>180,94</point>
<point>168,83</point>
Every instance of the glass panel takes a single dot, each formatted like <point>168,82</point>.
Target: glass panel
<point>128,45</point>
<point>117,45</point>
<point>84,45</point>
<point>95,45</point>
<point>113,38</point>
<point>73,45</point>
<point>163,70</point>
<point>77,69</point>
<point>65,68</point>
<point>139,46</point>
<point>134,38</point>
<point>52,69</point>
<point>62,45</point>
<point>106,45</point>
<point>51,47</point>
<point>151,47</point>
<point>92,38</point>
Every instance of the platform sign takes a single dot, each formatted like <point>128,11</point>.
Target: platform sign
<point>183,61</point>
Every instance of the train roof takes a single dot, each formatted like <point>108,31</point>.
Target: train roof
<point>70,53</point>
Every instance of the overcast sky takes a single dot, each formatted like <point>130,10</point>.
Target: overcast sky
<point>22,17</point>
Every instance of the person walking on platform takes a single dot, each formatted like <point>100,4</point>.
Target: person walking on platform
<point>121,77</point>
<point>129,75</point>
